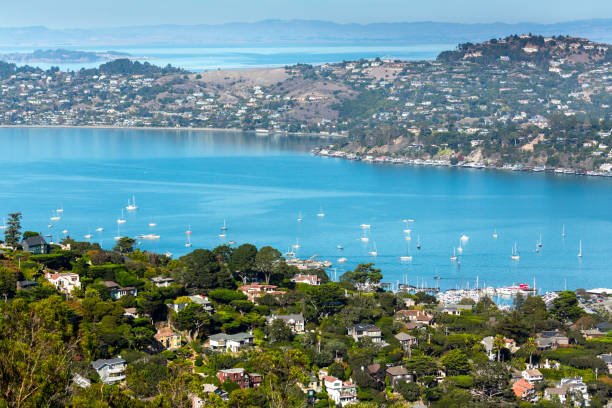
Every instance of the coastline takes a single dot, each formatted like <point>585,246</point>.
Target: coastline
<point>166,128</point>
<point>337,154</point>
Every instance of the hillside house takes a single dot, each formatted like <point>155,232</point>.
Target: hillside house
<point>365,330</point>
<point>168,339</point>
<point>111,370</point>
<point>523,389</point>
<point>240,377</point>
<point>295,322</point>
<point>35,245</point>
<point>230,342</point>
<point>116,292</point>
<point>64,282</point>
<point>342,393</point>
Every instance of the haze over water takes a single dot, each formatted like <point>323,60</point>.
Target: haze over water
<point>259,185</point>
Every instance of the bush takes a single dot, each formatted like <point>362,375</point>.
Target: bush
<point>409,390</point>
<point>462,381</point>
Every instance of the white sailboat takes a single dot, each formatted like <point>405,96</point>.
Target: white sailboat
<point>342,260</point>
<point>122,219</point>
<point>152,225</point>
<point>364,238</point>
<point>365,226</point>
<point>188,232</point>
<point>296,245</point>
<point>464,238</point>
<point>222,235</point>
<point>131,205</point>
<point>60,210</point>
<point>495,234</point>
<point>580,249</point>
<point>407,231</point>
<point>339,247</point>
<point>65,232</point>
<point>454,257</point>
<point>55,217</point>
<point>188,244</point>
<point>88,236</point>
<point>299,218</point>
<point>515,256</point>
<point>563,232</point>
<point>540,241</point>
<point>99,229</point>
<point>290,254</point>
<point>418,246</point>
<point>118,237</point>
<point>321,213</point>
<point>224,227</point>
<point>374,252</point>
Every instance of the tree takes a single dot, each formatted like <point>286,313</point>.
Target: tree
<point>194,320</point>
<point>29,234</point>
<point>490,378</point>
<point>125,245</point>
<point>266,262</point>
<point>204,272</point>
<point>242,261</point>
<point>409,390</point>
<point>8,282</point>
<point>455,362</point>
<point>499,344</point>
<point>530,348</point>
<point>12,233</point>
<point>565,307</point>
<point>363,274</point>
<point>421,365</point>
<point>278,331</point>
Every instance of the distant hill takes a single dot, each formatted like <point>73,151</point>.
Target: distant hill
<point>294,32</point>
<point>61,56</point>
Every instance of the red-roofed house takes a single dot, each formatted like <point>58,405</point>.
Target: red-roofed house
<point>255,290</point>
<point>523,390</point>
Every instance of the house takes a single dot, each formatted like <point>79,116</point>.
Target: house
<point>406,340</point>
<point>491,351</point>
<point>313,385</point>
<point>80,381</point>
<point>162,281</point>
<point>313,280</point>
<point>573,387</point>
<point>130,312</point>
<point>36,245</point>
<point>454,310</point>
<point>523,389</point>
<point>551,340</point>
<point>342,393</point>
<point>591,334</point>
<point>240,377</point>
<point>64,282</point>
<point>376,372</point>
<point>532,376</point>
<point>408,302</point>
<point>168,338</point>
<point>27,285</point>
<point>415,316</point>
<point>117,292</point>
<point>110,371</point>
<point>398,374</point>
<point>202,301</point>
<point>230,342</point>
<point>177,307</point>
<point>365,330</point>
<point>604,327</point>
<point>255,290</point>
<point>295,322</point>
<point>607,358</point>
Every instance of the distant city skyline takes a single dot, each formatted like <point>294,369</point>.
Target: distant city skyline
<point>114,13</point>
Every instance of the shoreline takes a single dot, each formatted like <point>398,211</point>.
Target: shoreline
<point>166,128</point>
<point>337,154</point>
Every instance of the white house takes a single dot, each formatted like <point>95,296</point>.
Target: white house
<point>572,386</point>
<point>64,282</point>
<point>295,321</point>
<point>161,281</point>
<point>532,376</point>
<point>230,342</point>
<point>365,330</point>
<point>307,279</point>
<point>342,393</point>
<point>110,371</point>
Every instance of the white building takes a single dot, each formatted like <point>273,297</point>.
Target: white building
<point>230,342</point>
<point>64,282</point>
<point>342,393</point>
<point>295,322</point>
<point>365,330</point>
<point>110,371</point>
<point>532,376</point>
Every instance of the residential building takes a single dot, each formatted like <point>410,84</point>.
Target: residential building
<point>572,387</point>
<point>491,351</point>
<point>110,371</point>
<point>414,316</point>
<point>36,245</point>
<point>117,292</point>
<point>523,389</point>
<point>230,342</point>
<point>365,330</point>
<point>307,279</point>
<point>168,338</point>
<point>551,340</point>
<point>532,376</point>
<point>130,312</point>
<point>202,301</point>
<point>255,290</point>
<point>342,393</point>
<point>398,374</point>
<point>177,307</point>
<point>27,285</point>
<point>607,358</point>
<point>162,281</point>
<point>64,282</point>
<point>295,322</point>
<point>406,340</point>
<point>240,377</point>
<point>454,310</point>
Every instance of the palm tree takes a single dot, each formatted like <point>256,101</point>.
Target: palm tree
<point>530,347</point>
<point>499,343</point>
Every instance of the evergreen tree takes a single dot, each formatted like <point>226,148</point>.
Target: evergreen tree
<point>12,234</point>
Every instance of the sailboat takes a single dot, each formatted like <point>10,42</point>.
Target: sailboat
<point>365,226</point>
<point>464,238</point>
<point>224,227</point>
<point>537,249</point>
<point>290,254</point>
<point>374,252</point>
<point>407,231</point>
<point>540,241</point>
<point>152,225</point>
<point>296,245</point>
<point>515,256</point>
<point>99,229</point>
<point>339,247</point>
<point>299,218</point>
<point>188,244</point>
<point>88,236</point>
<point>321,213</point>
<point>418,241</point>
<point>364,238</point>
<point>495,234</point>
<point>65,232</point>
<point>454,257</point>
<point>188,232</point>
<point>460,248</point>
<point>131,205</point>
<point>342,260</point>
<point>60,210</point>
<point>563,232</point>
<point>55,217</point>
<point>3,226</point>
<point>118,237</point>
<point>122,219</point>
<point>222,235</point>
<point>580,249</point>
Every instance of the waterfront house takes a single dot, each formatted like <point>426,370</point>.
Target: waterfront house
<point>111,370</point>
<point>295,322</point>
<point>64,282</point>
<point>313,280</point>
<point>116,292</point>
<point>168,338</point>
<point>342,393</point>
<point>240,377</point>
<point>35,245</point>
<point>398,374</point>
<point>365,330</point>
<point>523,389</point>
<point>161,281</point>
<point>406,340</point>
<point>230,342</point>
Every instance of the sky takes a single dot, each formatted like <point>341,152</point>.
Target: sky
<point>114,13</point>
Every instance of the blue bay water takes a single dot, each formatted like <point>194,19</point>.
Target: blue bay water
<point>207,58</point>
<point>259,185</point>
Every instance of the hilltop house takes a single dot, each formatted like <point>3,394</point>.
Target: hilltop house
<point>240,377</point>
<point>110,371</point>
<point>607,358</point>
<point>532,376</point>
<point>365,330</point>
<point>168,338</point>
<point>454,310</point>
<point>202,301</point>
<point>294,321</point>
<point>230,342</point>
<point>27,285</point>
<point>36,245</point>
<point>117,292</point>
<point>64,282</point>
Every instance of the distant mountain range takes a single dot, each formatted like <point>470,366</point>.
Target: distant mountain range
<point>61,56</point>
<point>293,32</point>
